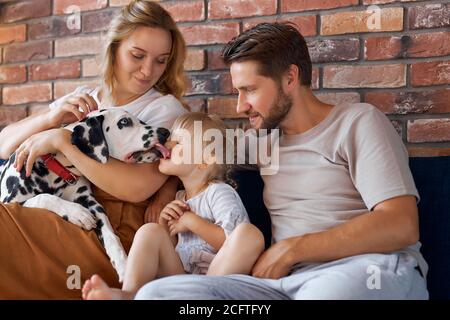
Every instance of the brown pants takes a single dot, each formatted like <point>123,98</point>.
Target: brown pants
<point>37,247</point>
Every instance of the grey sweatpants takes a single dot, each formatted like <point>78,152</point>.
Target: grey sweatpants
<point>368,276</point>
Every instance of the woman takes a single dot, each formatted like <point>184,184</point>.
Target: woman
<point>41,255</point>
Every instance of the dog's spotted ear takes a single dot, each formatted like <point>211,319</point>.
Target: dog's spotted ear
<point>88,136</point>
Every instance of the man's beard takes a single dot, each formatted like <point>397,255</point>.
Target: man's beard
<point>278,111</point>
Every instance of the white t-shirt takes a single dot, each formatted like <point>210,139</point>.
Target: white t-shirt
<point>220,204</point>
<point>152,107</point>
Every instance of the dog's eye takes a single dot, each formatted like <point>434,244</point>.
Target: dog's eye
<point>125,122</point>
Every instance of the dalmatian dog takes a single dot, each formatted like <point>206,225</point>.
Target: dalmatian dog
<point>105,133</point>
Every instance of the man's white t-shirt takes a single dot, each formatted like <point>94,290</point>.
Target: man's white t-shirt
<point>336,171</point>
<point>153,108</point>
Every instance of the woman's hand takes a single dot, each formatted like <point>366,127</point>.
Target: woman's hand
<point>49,141</point>
<point>70,111</point>
<point>183,223</point>
<point>173,211</point>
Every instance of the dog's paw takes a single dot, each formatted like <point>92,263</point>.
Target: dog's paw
<point>83,219</point>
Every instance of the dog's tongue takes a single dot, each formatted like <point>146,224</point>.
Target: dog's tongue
<point>164,151</point>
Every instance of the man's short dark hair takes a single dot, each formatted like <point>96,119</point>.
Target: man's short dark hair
<point>275,46</point>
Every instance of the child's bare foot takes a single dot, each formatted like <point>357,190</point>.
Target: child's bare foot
<point>97,289</point>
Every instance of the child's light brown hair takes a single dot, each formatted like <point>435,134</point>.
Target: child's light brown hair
<point>221,171</point>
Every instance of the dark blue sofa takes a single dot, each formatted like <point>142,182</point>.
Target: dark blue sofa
<point>432,177</point>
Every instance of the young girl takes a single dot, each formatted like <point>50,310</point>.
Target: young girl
<point>205,230</point>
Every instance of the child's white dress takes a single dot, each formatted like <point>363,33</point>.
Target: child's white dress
<point>220,204</point>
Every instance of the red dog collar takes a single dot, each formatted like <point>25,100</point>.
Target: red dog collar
<point>56,167</point>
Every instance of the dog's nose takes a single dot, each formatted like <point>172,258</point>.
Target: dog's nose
<point>163,134</point>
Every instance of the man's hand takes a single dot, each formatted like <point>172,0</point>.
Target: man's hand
<point>276,262</point>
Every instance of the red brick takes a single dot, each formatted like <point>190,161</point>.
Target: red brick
<point>215,61</point>
<point>64,87</point>
<point>97,21</point>
<point>77,46</point>
<point>210,84</point>
<point>61,69</point>
<point>120,3</point>
<point>225,9</point>
<point>381,48</point>
<point>17,33</point>
<point>414,46</point>
<point>13,74</point>
<point>186,10</point>
<point>37,108</point>
<point>331,50</point>
<point>435,15</point>
<point>376,76</point>
<point>430,101</point>
<point>430,73</point>
<point>391,19</point>
<point>429,45</point>
<point>67,6</point>
<point>306,25</point>
<point>304,5</point>
<point>429,130</point>
<point>54,27</point>
<point>9,115</point>
<point>1,55</point>
<point>196,105</point>
<point>90,67</point>
<point>27,93</point>
<point>210,33</point>
<point>315,78</point>
<point>28,51</point>
<point>195,60</point>
<point>224,107</point>
<point>336,98</point>
<point>369,2</point>
<point>12,12</point>
<point>428,152</point>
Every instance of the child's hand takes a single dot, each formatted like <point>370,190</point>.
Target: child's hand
<point>173,211</point>
<point>182,224</point>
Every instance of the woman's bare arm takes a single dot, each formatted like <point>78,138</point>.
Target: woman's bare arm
<point>16,133</point>
<point>127,182</point>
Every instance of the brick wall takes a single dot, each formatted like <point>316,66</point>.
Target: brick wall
<point>396,57</point>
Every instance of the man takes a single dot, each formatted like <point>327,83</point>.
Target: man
<point>343,203</point>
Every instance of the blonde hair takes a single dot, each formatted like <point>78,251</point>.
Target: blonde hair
<point>220,171</point>
<point>148,14</point>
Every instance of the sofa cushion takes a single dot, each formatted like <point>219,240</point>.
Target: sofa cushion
<point>431,176</point>
<point>250,189</point>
